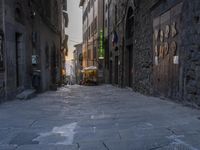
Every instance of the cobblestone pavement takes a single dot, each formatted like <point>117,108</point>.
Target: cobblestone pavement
<point>97,118</point>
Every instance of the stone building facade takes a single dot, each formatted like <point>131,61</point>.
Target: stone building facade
<point>32,39</point>
<point>78,63</point>
<point>93,29</point>
<point>153,47</point>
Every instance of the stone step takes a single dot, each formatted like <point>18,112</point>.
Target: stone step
<point>27,94</point>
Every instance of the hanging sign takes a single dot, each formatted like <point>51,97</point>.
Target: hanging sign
<point>101,46</point>
<point>34,59</point>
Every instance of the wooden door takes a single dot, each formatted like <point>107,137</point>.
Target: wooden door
<point>166,46</point>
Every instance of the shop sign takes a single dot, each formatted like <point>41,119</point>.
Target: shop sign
<point>101,46</point>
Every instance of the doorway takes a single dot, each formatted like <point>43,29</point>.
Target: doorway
<point>53,65</point>
<point>116,70</point>
<point>130,66</point>
<point>129,54</point>
<point>111,73</point>
<point>18,58</point>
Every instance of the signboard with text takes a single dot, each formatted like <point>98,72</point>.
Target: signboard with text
<point>101,45</point>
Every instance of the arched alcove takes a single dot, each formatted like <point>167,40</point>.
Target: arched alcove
<point>129,33</point>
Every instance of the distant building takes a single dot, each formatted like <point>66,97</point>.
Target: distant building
<point>78,62</point>
<point>31,38</point>
<point>70,74</point>
<point>64,37</point>
<point>93,38</point>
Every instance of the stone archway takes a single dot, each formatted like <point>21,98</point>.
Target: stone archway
<point>129,34</point>
<point>19,12</point>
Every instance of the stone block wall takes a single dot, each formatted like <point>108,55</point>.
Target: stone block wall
<point>22,19</point>
<point>191,49</point>
<point>1,15</point>
<point>143,48</point>
<point>188,74</point>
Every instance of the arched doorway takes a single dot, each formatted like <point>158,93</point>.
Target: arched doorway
<point>129,63</point>
<point>53,65</point>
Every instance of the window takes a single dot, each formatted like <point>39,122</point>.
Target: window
<point>130,24</point>
<point>95,53</point>
<point>106,23</point>
<point>106,7</point>
<point>116,14</point>
<point>89,54</point>
<point>89,6</point>
<point>55,14</point>
<point>47,56</point>
<point>91,31</point>
<point>47,5</point>
<point>92,3</point>
<point>95,25</point>
<point>19,14</point>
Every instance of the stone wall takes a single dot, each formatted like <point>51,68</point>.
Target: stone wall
<point>1,15</point>
<point>20,30</point>
<point>27,23</point>
<point>2,84</point>
<point>143,47</point>
<point>191,49</point>
<point>188,26</point>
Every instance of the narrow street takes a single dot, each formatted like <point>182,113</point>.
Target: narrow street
<point>97,118</point>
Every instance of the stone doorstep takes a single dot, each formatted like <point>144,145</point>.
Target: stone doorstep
<point>27,94</point>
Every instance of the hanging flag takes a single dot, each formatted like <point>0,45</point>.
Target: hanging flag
<point>115,38</point>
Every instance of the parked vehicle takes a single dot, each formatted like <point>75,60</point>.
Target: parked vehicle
<point>90,75</point>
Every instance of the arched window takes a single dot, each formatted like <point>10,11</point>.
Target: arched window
<point>47,55</point>
<point>55,13</point>
<point>47,6</point>
<point>130,24</point>
<point>19,14</point>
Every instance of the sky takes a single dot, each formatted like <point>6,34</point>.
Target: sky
<point>74,29</point>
